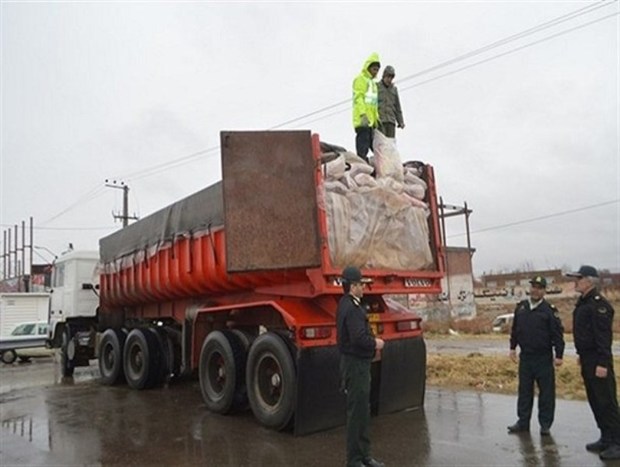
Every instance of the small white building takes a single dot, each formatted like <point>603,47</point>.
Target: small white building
<point>20,307</point>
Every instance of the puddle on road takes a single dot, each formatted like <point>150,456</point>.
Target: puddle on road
<point>76,421</point>
<point>24,407</point>
<point>41,372</point>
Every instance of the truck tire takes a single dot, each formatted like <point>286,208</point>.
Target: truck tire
<point>67,353</point>
<point>142,359</point>
<point>111,356</point>
<point>271,381</point>
<point>222,372</point>
<point>8,356</point>
<point>245,337</point>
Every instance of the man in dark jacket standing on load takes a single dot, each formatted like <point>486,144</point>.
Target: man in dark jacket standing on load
<point>390,112</point>
<point>592,329</point>
<point>365,107</point>
<point>537,330</point>
<point>357,346</point>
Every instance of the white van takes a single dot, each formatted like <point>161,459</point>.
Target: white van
<point>27,331</point>
<point>503,323</point>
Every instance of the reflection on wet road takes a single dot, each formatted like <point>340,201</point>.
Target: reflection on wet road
<point>79,422</point>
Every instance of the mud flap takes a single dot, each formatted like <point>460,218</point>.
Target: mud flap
<point>320,405</point>
<point>403,375</point>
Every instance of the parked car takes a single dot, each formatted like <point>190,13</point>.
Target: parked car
<point>26,331</point>
<point>502,323</point>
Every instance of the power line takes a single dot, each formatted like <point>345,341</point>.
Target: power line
<point>492,45</point>
<point>539,218</point>
<point>89,196</point>
<point>480,62</point>
<point>64,228</point>
<point>42,257</point>
<point>553,22</point>
<point>529,31</point>
<point>546,25</point>
<point>166,165</point>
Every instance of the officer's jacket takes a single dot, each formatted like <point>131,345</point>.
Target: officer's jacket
<point>538,330</point>
<point>592,327</point>
<point>355,337</point>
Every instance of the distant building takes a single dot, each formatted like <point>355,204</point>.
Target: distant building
<point>457,298</point>
<point>37,281</point>
<point>609,279</point>
<point>553,276</point>
<point>522,279</point>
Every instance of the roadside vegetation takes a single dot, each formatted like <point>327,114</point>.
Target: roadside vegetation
<point>497,373</point>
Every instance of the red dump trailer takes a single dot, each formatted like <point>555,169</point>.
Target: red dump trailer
<point>239,283</point>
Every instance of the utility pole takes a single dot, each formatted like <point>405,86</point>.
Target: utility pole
<point>125,216</point>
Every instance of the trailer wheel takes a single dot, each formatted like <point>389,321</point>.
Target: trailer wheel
<point>142,359</point>
<point>67,353</point>
<point>111,356</point>
<point>222,372</point>
<point>271,381</point>
<point>8,356</point>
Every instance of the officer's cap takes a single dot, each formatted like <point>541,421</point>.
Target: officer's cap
<point>584,271</point>
<point>540,281</point>
<point>351,274</point>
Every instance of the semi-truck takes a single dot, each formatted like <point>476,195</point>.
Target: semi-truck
<point>239,284</point>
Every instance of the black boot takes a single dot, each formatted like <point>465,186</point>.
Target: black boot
<point>597,446</point>
<point>370,462</point>
<point>516,428</point>
<point>611,453</point>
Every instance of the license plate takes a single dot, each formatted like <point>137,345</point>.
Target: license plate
<point>373,317</point>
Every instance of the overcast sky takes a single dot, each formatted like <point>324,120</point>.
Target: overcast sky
<point>527,130</point>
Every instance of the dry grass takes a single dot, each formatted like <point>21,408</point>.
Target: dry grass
<point>498,374</point>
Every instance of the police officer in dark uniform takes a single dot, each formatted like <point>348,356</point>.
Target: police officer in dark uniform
<point>592,330</point>
<point>357,346</point>
<point>537,330</point>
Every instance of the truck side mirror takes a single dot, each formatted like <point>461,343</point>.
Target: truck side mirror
<point>87,286</point>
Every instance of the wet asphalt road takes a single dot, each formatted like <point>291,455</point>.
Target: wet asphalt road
<point>46,420</point>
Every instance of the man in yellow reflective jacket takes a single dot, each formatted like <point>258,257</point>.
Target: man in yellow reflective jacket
<point>365,105</point>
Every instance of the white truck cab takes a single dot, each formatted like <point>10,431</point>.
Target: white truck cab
<point>74,301</point>
<point>74,284</point>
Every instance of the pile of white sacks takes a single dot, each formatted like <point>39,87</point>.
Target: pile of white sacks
<point>380,221</point>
